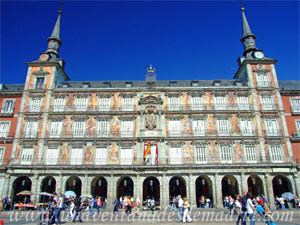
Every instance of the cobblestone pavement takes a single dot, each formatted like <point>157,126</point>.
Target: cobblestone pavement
<point>199,216</point>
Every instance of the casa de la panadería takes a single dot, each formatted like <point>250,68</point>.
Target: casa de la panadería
<point>155,138</point>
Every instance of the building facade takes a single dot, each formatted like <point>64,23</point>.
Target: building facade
<point>203,137</point>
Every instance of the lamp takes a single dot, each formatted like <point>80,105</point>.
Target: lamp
<point>49,182</point>
<point>100,182</point>
<point>23,182</point>
<point>125,183</point>
<point>74,182</point>
<point>253,181</point>
<point>228,181</point>
<point>203,182</point>
<point>280,181</point>
<point>177,182</point>
<point>151,182</point>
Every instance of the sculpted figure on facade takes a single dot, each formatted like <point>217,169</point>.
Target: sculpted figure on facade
<point>150,118</point>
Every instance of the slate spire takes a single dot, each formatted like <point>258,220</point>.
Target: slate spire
<point>54,41</point>
<point>248,38</point>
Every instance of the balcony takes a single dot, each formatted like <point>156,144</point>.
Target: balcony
<point>93,135</point>
<point>6,136</point>
<point>270,107</point>
<point>295,112</point>
<point>7,114</point>
<point>30,134</point>
<point>36,88</point>
<point>295,137</point>
<point>33,109</point>
<point>273,133</point>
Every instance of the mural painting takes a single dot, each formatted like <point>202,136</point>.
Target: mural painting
<point>113,154</point>
<point>91,127</point>
<point>187,126</point>
<point>188,152</point>
<point>231,99</point>
<point>89,155</point>
<point>211,125</point>
<point>235,125</point>
<point>213,151</point>
<point>92,105</point>
<point>67,128</point>
<point>185,101</point>
<point>116,102</point>
<point>64,154</point>
<point>115,127</point>
<point>70,101</point>
<point>238,151</point>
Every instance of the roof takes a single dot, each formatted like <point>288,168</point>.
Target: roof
<point>12,87</point>
<point>289,85</point>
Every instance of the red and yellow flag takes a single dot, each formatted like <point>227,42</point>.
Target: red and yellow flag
<point>147,150</point>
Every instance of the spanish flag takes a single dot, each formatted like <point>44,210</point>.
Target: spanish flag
<point>147,150</point>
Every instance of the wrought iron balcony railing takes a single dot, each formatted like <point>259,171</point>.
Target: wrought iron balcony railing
<point>6,134</point>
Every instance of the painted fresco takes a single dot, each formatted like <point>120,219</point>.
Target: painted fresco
<point>211,124</point>
<point>238,151</point>
<point>213,152</point>
<point>235,125</point>
<point>259,157</point>
<point>70,101</point>
<point>89,155</point>
<point>188,152</point>
<point>232,99</point>
<point>116,101</point>
<point>185,101</point>
<point>18,150</point>
<point>135,159</point>
<point>113,154</point>
<point>115,127</point>
<point>285,152</point>
<point>267,152</point>
<point>22,128</point>
<point>47,80</point>
<point>208,100</point>
<point>36,153</point>
<point>91,127</point>
<point>64,154</point>
<point>187,126</point>
<point>67,128</point>
<point>92,104</point>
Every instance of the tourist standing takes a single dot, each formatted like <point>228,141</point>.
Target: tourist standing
<point>116,206</point>
<point>91,204</point>
<point>98,205</point>
<point>58,208</point>
<point>250,209</point>
<point>72,209</point>
<point>152,205</point>
<point>186,213</point>
<point>239,211</point>
<point>138,206</point>
<point>180,208</point>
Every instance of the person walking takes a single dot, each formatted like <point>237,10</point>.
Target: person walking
<point>72,209</point>
<point>174,201</point>
<point>91,204</point>
<point>1,206</point>
<point>152,205</point>
<point>186,211</point>
<point>116,206</point>
<point>98,205</point>
<point>58,208</point>
<point>239,211</point>
<point>138,206</point>
<point>250,209</point>
<point>180,208</point>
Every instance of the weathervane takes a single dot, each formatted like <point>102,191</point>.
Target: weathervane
<point>242,3</point>
<point>61,6</point>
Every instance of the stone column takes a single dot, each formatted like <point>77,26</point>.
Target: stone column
<point>35,187</point>
<point>244,183</point>
<point>164,192</point>
<point>218,190</point>
<point>297,182</point>
<point>59,184</point>
<point>269,189</point>
<point>85,185</point>
<point>192,187</point>
<point>6,186</point>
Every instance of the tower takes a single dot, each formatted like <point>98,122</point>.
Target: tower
<point>151,74</point>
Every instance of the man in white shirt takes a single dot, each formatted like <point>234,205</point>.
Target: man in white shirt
<point>180,208</point>
<point>58,208</point>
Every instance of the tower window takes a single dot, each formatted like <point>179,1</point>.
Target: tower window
<point>128,84</point>
<point>172,83</point>
<point>107,84</point>
<point>195,83</point>
<point>39,82</point>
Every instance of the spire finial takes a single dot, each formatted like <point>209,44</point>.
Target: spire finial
<point>151,74</point>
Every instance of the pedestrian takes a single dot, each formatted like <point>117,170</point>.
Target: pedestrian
<point>239,211</point>
<point>152,205</point>
<point>98,205</point>
<point>91,205</point>
<point>104,203</point>
<point>1,206</point>
<point>138,206</point>
<point>180,208</point>
<point>174,201</point>
<point>250,209</point>
<point>121,202</point>
<point>72,209</point>
<point>282,203</point>
<point>58,208</point>
<point>128,210</point>
<point>78,210</point>
<point>116,206</point>
<point>186,211</point>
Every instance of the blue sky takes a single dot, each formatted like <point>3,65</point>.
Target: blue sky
<point>105,40</point>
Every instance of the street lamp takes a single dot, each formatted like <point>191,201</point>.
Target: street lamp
<point>203,182</point>
<point>280,181</point>
<point>177,182</point>
<point>99,182</point>
<point>228,181</point>
<point>23,182</point>
<point>253,181</point>
<point>49,182</point>
<point>74,182</point>
<point>151,182</point>
<point>125,183</point>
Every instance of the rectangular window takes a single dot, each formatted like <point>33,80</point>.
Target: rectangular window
<point>81,103</point>
<point>127,128</point>
<point>101,156</point>
<point>298,126</point>
<point>276,153</point>
<point>127,104</point>
<point>2,151</point>
<point>272,128</point>
<point>31,129</point>
<point>27,156</point>
<point>78,128</point>
<point>104,104</point>
<point>59,104</point>
<point>174,127</point>
<point>201,154</point>
<point>173,103</point>
<point>199,128</point>
<point>52,156</point>
<point>8,106</point>
<point>267,103</point>
<point>55,129</point>
<point>175,155</point>
<point>295,104</point>
<point>226,154</point>
<point>250,153</point>
<point>76,156</point>
<point>223,127</point>
<point>220,102</point>
<point>126,156</point>
<point>35,105</point>
<point>39,82</point>
<point>4,129</point>
<point>197,102</point>
<point>262,80</point>
<point>247,128</point>
<point>102,128</point>
<point>243,102</point>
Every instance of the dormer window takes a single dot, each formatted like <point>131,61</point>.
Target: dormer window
<point>86,85</point>
<point>65,85</point>
<point>238,83</point>
<point>128,84</point>
<point>107,84</point>
<point>172,83</point>
<point>195,84</point>
<point>217,83</point>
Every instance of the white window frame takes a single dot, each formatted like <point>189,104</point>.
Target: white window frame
<point>201,154</point>
<point>174,128</point>
<point>243,102</point>
<point>220,102</point>
<point>78,128</point>
<point>127,103</point>
<point>4,132</point>
<point>276,153</point>
<point>199,127</point>
<point>2,153</point>
<point>55,128</point>
<point>174,103</point>
<point>81,103</point>
<point>250,153</point>
<point>102,128</point>
<point>76,156</point>
<point>272,130</point>
<point>59,104</point>
<point>27,155</point>
<point>295,105</point>
<point>126,156</point>
<point>127,128</point>
<point>52,155</point>
<point>247,126</point>
<point>35,104</point>
<point>197,102</point>
<point>41,86</point>
<point>226,154</point>
<point>297,124</point>
<point>223,127</point>
<point>175,155</point>
<point>104,103</point>
<point>262,79</point>
<point>31,129</point>
<point>267,102</point>
<point>10,108</point>
<point>101,155</point>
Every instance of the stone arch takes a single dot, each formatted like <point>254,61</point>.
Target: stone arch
<point>125,186</point>
<point>204,187</point>
<point>99,186</point>
<point>48,184</point>
<point>74,183</point>
<point>177,186</point>
<point>281,184</point>
<point>229,186</point>
<point>21,183</point>
<point>255,185</point>
<point>151,188</point>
